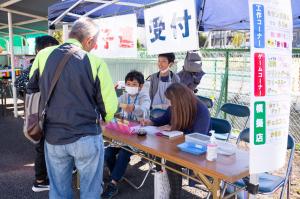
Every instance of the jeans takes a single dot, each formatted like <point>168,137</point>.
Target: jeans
<point>40,164</point>
<point>117,165</point>
<point>88,155</point>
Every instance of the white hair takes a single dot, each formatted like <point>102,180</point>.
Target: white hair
<point>84,28</point>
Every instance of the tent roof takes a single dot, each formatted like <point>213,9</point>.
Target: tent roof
<point>28,16</point>
<point>96,9</point>
<point>212,14</point>
<point>234,14</point>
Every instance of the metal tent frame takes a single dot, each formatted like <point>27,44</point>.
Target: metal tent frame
<point>17,17</point>
<point>133,6</point>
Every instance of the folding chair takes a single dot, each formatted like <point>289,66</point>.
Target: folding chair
<point>236,110</point>
<point>244,136</point>
<point>154,113</point>
<point>207,101</point>
<point>221,127</point>
<point>135,186</point>
<point>268,183</point>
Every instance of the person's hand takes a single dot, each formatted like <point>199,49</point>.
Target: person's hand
<point>146,122</point>
<point>165,128</point>
<point>102,123</point>
<point>129,108</point>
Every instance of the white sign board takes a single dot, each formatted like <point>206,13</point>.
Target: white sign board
<point>271,61</point>
<point>117,37</point>
<point>171,27</point>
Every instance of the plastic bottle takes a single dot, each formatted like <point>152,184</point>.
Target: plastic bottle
<point>212,147</point>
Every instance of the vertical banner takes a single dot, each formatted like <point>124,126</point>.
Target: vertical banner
<point>171,27</point>
<point>271,32</point>
<point>117,37</point>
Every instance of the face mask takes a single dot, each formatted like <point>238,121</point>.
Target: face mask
<point>132,90</point>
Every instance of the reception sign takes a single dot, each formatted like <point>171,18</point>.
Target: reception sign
<point>171,27</point>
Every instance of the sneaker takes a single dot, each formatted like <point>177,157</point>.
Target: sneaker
<point>42,186</point>
<point>110,191</point>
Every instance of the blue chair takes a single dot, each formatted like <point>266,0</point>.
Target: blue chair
<point>207,101</point>
<point>236,110</point>
<point>221,127</point>
<point>244,136</point>
<point>268,183</point>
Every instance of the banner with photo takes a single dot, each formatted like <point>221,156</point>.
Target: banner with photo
<point>171,27</point>
<point>117,37</point>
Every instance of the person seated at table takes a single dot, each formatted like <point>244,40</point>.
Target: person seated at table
<point>160,81</point>
<point>134,104</point>
<point>186,113</point>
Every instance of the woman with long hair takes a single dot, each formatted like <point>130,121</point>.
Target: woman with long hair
<point>186,113</point>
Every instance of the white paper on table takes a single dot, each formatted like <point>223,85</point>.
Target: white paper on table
<point>151,130</point>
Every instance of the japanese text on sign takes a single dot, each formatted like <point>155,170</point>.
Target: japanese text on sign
<point>271,29</point>
<point>157,26</point>
<point>259,123</point>
<point>259,74</point>
<point>259,27</point>
<point>171,31</point>
<point>117,37</point>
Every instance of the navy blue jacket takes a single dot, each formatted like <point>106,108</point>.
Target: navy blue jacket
<point>201,123</point>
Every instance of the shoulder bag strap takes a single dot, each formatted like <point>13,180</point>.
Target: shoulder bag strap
<point>58,72</point>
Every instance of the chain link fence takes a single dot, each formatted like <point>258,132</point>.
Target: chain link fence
<point>227,79</point>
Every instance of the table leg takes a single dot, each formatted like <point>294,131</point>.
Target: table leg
<point>77,180</point>
<point>216,188</point>
<point>213,187</point>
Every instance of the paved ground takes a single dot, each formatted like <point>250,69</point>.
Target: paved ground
<point>17,174</point>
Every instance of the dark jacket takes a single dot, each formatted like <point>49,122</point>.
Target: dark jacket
<point>83,93</point>
<point>201,123</point>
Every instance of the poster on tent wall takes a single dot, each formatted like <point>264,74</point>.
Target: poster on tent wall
<point>271,61</point>
<point>117,37</point>
<point>171,27</point>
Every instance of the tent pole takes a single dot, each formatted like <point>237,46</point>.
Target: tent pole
<point>58,19</point>
<point>50,32</point>
<point>65,32</point>
<point>254,179</point>
<point>12,61</point>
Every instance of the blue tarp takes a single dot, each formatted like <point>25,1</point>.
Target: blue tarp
<point>57,9</point>
<point>233,15</point>
<point>212,14</point>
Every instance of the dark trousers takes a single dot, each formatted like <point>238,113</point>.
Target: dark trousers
<point>117,160</point>
<point>175,181</point>
<point>40,164</point>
